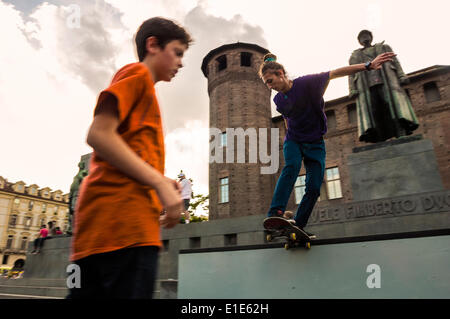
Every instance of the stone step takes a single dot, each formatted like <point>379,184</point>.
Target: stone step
<point>16,296</point>
<point>34,291</point>
<point>32,288</point>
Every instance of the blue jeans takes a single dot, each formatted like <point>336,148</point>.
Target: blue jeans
<point>313,156</point>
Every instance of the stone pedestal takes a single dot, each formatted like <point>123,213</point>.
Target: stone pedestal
<point>400,167</point>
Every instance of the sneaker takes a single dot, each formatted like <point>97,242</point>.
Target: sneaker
<point>307,233</point>
<point>275,213</point>
<point>310,234</point>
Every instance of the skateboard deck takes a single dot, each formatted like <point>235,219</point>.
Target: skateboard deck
<point>281,227</point>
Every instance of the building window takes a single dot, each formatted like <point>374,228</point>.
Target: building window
<point>42,222</point>
<point>231,240</point>
<point>351,112</point>
<point>13,220</point>
<point>331,120</point>
<point>222,62</point>
<point>246,59</point>
<point>333,183</point>
<point>223,139</point>
<point>195,242</point>
<point>20,188</point>
<point>431,92</point>
<point>16,201</point>
<point>33,191</point>
<point>299,188</point>
<point>223,191</point>
<point>9,242</point>
<point>23,245</point>
<point>30,205</point>
<point>5,259</point>
<point>28,221</point>
<point>44,207</point>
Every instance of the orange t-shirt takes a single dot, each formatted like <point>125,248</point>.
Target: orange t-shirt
<point>114,211</point>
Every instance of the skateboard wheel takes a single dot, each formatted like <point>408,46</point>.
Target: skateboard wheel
<point>308,245</point>
<point>269,237</point>
<point>293,236</point>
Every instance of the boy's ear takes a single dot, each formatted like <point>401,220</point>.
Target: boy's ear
<point>151,45</point>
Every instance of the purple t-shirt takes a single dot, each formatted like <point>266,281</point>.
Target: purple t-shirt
<point>303,108</point>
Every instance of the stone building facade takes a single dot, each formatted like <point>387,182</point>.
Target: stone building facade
<point>238,98</point>
<point>23,209</point>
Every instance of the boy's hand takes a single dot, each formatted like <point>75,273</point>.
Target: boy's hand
<point>382,58</point>
<point>169,194</point>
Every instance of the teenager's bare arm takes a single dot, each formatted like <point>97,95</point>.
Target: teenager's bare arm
<point>355,68</point>
<point>109,146</point>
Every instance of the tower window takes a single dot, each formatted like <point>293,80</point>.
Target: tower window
<point>223,139</point>
<point>223,190</point>
<point>222,60</point>
<point>246,59</point>
<point>431,92</point>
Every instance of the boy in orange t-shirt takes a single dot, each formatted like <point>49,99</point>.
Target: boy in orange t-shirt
<point>116,237</point>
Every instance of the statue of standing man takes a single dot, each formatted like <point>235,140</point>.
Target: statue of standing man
<point>383,107</point>
<point>74,191</point>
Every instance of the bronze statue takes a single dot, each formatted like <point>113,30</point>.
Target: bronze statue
<point>383,107</point>
<point>74,190</point>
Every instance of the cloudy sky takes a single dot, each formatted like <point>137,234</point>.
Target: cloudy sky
<point>58,55</point>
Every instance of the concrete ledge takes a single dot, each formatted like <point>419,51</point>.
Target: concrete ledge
<point>395,268</point>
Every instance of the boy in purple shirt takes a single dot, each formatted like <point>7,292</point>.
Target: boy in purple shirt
<point>300,102</point>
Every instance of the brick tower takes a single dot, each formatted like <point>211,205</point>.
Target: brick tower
<point>238,100</point>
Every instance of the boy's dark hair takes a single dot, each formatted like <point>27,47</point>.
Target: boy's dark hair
<point>164,30</point>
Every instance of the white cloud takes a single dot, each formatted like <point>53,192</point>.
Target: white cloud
<point>187,149</point>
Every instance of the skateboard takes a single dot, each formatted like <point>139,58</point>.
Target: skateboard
<point>281,227</point>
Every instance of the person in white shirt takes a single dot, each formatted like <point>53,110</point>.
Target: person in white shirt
<point>186,193</point>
